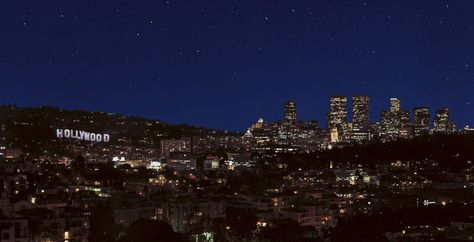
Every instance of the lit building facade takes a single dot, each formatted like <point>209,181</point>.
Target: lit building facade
<point>290,113</point>
<point>391,121</point>
<point>175,145</point>
<point>337,116</point>
<point>441,121</point>
<point>394,105</point>
<point>405,121</point>
<point>360,112</point>
<point>181,161</point>
<point>421,120</point>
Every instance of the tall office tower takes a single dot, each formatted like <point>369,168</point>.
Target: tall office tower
<point>391,121</point>
<point>360,112</point>
<point>394,105</point>
<point>441,122</point>
<point>337,116</point>
<point>405,118</point>
<point>290,112</point>
<point>421,120</point>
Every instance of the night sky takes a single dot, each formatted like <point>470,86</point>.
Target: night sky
<point>224,64</point>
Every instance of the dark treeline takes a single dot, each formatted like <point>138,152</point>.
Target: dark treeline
<point>373,227</point>
<point>450,151</point>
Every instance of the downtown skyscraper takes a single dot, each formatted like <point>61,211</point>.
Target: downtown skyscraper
<point>391,120</point>
<point>290,113</point>
<point>421,120</point>
<point>394,105</point>
<point>360,112</point>
<point>441,121</point>
<point>337,116</point>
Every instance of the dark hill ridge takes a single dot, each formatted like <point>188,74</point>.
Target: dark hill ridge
<point>451,152</point>
<point>31,128</point>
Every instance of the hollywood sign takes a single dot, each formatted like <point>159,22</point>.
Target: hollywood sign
<point>82,135</point>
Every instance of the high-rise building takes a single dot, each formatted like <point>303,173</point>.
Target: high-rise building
<point>360,112</point>
<point>290,112</point>
<point>394,105</point>
<point>441,121</point>
<point>288,132</point>
<point>421,120</point>
<point>405,118</point>
<point>391,121</point>
<point>337,116</point>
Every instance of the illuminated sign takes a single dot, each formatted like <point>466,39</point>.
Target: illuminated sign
<point>82,135</point>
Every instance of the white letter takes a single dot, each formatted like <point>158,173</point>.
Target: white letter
<point>81,135</point>
<point>99,137</point>
<point>59,133</point>
<point>86,136</point>
<point>67,133</point>
<point>92,137</point>
<point>106,138</point>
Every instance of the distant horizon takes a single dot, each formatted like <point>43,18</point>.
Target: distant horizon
<point>321,123</point>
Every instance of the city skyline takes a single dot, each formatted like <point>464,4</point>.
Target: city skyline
<point>372,117</point>
<point>238,59</point>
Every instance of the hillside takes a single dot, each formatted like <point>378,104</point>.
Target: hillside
<point>32,128</point>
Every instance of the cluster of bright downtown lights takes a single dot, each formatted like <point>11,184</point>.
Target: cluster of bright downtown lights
<point>338,113</point>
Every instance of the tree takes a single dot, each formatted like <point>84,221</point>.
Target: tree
<point>242,222</point>
<point>145,230</point>
<point>79,164</point>
<point>102,224</point>
<point>283,230</point>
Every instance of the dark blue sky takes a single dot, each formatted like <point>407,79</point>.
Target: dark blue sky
<point>223,64</point>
